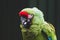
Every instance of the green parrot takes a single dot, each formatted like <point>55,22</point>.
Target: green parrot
<point>34,27</point>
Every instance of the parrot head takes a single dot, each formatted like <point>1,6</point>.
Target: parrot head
<point>29,16</point>
<point>25,19</point>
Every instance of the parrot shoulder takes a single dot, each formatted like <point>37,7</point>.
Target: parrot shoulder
<point>49,27</point>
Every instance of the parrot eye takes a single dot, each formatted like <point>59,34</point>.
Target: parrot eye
<point>30,16</point>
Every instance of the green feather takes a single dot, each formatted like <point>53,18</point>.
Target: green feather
<point>38,25</point>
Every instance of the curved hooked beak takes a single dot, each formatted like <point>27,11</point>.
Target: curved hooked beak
<point>26,22</point>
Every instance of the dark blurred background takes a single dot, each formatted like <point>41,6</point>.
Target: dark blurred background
<point>10,19</point>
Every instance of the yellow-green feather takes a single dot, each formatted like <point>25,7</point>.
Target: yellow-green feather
<point>38,25</point>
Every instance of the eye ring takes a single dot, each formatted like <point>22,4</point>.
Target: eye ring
<point>30,16</point>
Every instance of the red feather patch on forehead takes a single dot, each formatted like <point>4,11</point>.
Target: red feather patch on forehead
<point>23,13</point>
